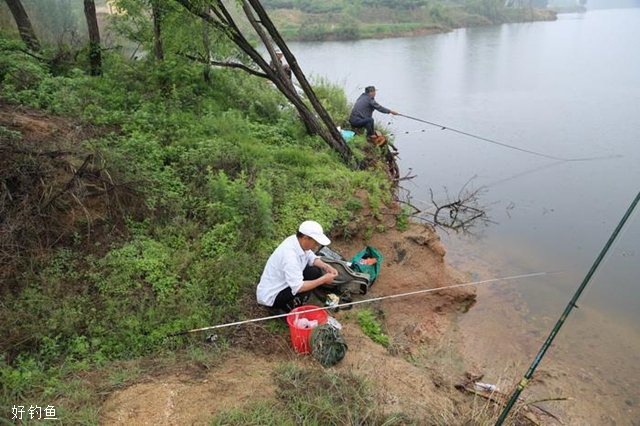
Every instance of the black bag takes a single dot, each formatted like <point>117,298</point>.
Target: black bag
<point>347,280</point>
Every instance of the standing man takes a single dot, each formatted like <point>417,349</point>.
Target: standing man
<point>362,112</point>
<point>293,270</point>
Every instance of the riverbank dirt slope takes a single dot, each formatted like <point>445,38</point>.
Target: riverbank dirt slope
<point>416,375</point>
<point>414,260</point>
<point>422,374</point>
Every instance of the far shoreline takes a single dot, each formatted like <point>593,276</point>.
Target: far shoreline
<point>321,32</point>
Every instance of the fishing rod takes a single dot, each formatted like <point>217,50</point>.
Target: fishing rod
<point>540,154</point>
<point>572,304</point>
<point>374,299</point>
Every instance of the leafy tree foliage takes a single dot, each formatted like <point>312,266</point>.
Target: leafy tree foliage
<point>238,52</point>
<point>60,21</point>
<point>407,4</point>
<point>344,20</point>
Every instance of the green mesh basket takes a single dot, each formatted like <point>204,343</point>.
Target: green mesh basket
<point>327,345</point>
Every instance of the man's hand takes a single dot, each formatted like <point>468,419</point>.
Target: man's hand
<point>392,112</point>
<point>330,273</point>
<point>330,269</point>
<point>329,277</point>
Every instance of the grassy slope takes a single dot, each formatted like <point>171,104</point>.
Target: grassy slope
<point>222,172</point>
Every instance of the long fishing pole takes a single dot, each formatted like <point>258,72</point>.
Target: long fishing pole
<point>374,299</point>
<point>540,154</point>
<point>572,304</point>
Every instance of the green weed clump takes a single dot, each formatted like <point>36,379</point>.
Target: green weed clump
<point>371,327</point>
<point>402,220</point>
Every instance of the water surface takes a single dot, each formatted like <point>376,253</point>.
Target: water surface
<point>568,89</point>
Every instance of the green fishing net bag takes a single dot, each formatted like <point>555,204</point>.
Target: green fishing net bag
<point>327,345</point>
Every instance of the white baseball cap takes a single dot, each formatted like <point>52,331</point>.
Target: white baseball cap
<point>313,229</point>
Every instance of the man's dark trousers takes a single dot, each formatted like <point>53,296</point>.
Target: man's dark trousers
<point>286,301</point>
<point>367,123</point>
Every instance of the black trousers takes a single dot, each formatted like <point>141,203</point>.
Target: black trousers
<point>367,123</point>
<point>286,301</point>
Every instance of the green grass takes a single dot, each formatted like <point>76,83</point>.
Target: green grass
<point>124,375</point>
<point>219,174</point>
<point>314,396</point>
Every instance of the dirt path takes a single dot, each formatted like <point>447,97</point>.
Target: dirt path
<point>181,399</point>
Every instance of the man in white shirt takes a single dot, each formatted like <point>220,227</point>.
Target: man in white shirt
<point>293,270</point>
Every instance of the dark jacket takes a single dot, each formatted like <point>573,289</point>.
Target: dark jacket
<point>364,107</point>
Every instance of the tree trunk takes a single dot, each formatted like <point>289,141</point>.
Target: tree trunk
<point>95,55</point>
<point>329,132</point>
<point>24,24</point>
<point>157,39</point>
<point>206,42</point>
<point>281,79</point>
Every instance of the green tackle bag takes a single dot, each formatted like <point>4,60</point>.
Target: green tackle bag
<point>368,261</point>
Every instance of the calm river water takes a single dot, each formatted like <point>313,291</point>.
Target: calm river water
<point>569,89</point>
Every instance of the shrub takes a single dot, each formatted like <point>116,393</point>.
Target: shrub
<point>333,99</point>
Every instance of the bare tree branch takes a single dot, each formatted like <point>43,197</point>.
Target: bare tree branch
<point>461,213</point>
<point>225,64</point>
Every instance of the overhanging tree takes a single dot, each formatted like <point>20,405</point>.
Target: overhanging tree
<point>316,118</point>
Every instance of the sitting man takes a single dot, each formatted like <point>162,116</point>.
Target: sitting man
<point>293,270</point>
<point>362,112</point>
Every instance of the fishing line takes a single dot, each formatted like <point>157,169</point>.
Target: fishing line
<point>540,154</point>
<point>374,299</point>
<point>408,132</point>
